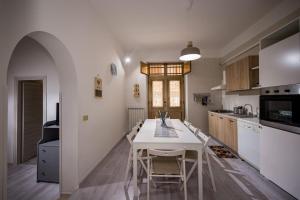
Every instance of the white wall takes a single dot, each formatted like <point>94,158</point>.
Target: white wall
<point>206,73</point>
<point>282,10</point>
<point>30,60</point>
<point>92,49</point>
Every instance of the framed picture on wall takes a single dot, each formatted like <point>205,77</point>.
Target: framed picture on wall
<point>98,87</point>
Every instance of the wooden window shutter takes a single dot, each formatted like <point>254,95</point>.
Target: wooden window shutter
<point>144,68</point>
<point>187,68</point>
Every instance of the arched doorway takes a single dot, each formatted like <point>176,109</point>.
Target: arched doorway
<point>68,108</point>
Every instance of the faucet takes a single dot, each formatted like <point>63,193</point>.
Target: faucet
<point>250,107</point>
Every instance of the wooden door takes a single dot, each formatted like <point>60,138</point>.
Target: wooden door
<point>244,71</point>
<point>175,97</point>
<point>156,96</point>
<point>31,117</point>
<point>231,133</point>
<point>229,77</point>
<point>232,77</point>
<point>166,93</point>
<point>220,128</point>
<point>212,119</point>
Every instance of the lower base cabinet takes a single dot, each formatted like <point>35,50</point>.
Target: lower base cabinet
<point>224,129</point>
<point>48,162</point>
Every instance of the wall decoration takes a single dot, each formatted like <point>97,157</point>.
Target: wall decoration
<point>136,90</point>
<point>113,69</point>
<point>202,98</point>
<point>98,87</point>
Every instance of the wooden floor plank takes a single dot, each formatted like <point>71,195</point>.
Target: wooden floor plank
<point>22,184</point>
<point>106,182</point>
<point>235,180</point>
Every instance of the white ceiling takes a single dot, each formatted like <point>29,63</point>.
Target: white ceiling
<point>210,24</point>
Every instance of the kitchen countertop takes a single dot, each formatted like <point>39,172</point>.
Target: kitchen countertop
<point>252,120</point>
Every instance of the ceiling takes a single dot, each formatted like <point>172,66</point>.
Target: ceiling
<point>210,24</point>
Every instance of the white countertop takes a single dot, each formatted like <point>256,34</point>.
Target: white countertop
<point>252,120</point>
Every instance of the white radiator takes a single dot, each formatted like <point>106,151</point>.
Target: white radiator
<point>135,115</point>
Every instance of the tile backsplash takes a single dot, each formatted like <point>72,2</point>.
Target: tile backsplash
<point>231,100</point>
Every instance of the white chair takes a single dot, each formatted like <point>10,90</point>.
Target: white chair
<point>193,129</point>
<point>140,123</point>
<point>166,164</point>
<point>142,154</point>
<point>186,123</point>
<point>192,156</point>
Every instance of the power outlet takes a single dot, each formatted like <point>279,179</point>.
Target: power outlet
<point>85,118</point>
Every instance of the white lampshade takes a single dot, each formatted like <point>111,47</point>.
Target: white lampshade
<point>190,53</point>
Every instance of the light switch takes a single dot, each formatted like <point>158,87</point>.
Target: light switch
<point>85,118</point>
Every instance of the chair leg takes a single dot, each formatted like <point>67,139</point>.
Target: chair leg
<point>148,179</point>
<point>128,168</point>
<point>143,164</point>
<point>210,172</point>
<point>190,172</point>
<point>184,181</point>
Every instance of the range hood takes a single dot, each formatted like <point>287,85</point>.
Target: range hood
<point>222,86</point>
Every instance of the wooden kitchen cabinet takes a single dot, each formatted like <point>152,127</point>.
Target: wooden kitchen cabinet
<point>212,120</point>
<point>233,74</point>
<point>220,131</point>
<point>231,133</point>
<point>224,129</point>
<point>240,74</point>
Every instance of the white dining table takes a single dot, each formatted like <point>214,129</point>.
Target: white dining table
<point>185,139</point>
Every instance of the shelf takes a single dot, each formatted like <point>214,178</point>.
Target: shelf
<point>281,34</point>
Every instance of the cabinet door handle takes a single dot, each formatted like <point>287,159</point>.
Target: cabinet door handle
<point>43,150</point>
<point>44,161</point>
<point>221,117</point>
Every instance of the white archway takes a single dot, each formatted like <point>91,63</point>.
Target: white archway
<point>69,109</point>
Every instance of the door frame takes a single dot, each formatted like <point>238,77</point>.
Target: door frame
<point>166,78</point>
<point>16,132</point>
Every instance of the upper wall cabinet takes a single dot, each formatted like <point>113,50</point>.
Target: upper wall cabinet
<point>279,57</point>
<point>242,74</point>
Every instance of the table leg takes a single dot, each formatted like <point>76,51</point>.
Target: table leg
<point>200,182</point>
<point>135,188</point>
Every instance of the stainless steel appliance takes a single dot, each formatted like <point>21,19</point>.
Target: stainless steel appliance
<point>280,107</point>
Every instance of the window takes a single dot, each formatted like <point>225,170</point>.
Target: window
<point>174,69</point>
<point>168,69</point>
<point>157,69</point>
<point>174,91</point>
<point>157,93</point>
